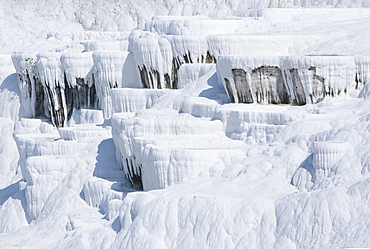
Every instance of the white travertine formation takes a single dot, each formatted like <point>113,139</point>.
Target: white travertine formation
<point>185,168</point>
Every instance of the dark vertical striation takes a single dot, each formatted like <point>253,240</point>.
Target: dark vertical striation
<point>318,86</point>
<point>299,97</point>
<point>40,98</point>
<point>242,86</point>
<point>144,75</point>
<point>229,90</point>
<point>56,106</point>
<point>269,85</point>
<point>78,97</point>
<point>134,177</point>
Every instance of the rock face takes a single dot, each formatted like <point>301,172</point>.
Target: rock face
<point>289,79</point>
<point>266,85</point>
<point>298,96</point>
<point>269,85</point>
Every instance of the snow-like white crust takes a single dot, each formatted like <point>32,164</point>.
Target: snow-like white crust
<point>185,168</point>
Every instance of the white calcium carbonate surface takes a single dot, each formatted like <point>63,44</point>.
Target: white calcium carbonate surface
<point>92,158</point>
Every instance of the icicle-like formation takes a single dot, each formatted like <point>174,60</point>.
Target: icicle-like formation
<point>122,128</point>
<point>79,86</point>
<point>159,58</point>
<point>362,70</point>
<point>108,74</point>
<point>187,49</point>
<point>108,67</point>
<point>51,75</point>
<point>286,79</point>
<point>29,85</point>
<point>325,155</point>
<point>77,66</point>
<point>188,46</point>
<point>153,57</point>
<point>50,70</point>
<point>54,84</point>
<point>161,67</point>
